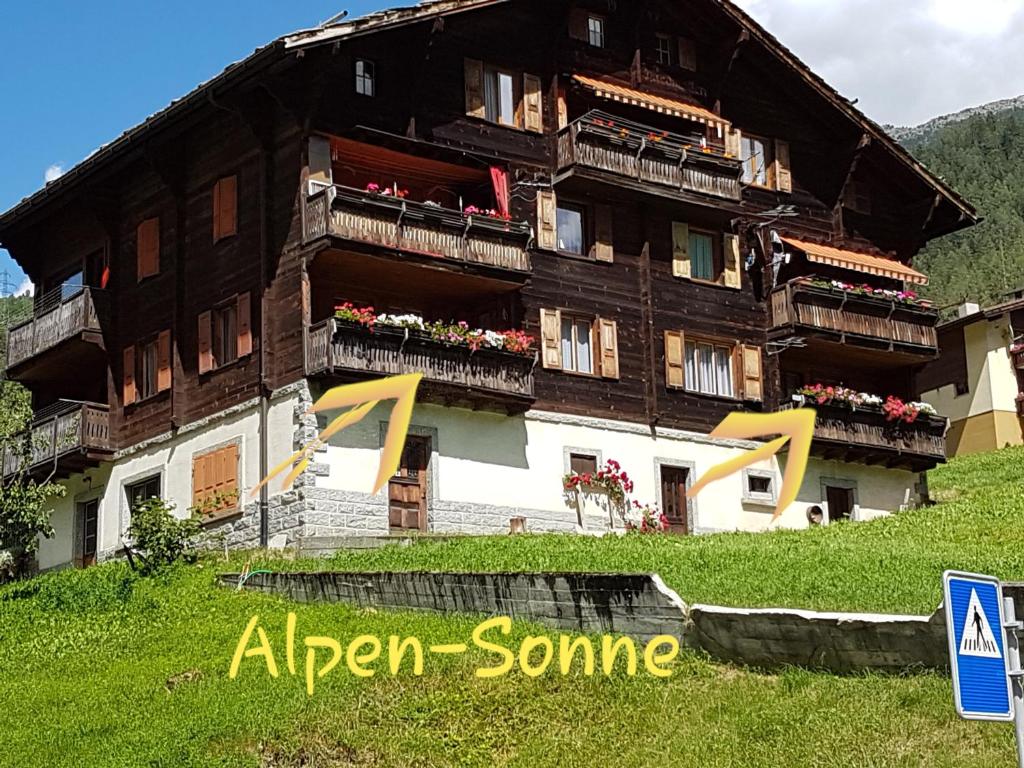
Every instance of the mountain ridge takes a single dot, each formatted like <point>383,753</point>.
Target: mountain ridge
<point>905,133</point>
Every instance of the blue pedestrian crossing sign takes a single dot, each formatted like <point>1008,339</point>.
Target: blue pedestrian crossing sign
<point>977,646</point>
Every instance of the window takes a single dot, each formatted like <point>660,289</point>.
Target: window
<point>146,369</point>
<point>759,487</point>
<point>702,256</point>
<point>595,31</point>
<point>501,97</point>
<point>365,78</point>
<point>665,49</point>
<point>144,490</point>
<point>756,157</point>
<point>225,335</point>
<point>577,345</point>
<point>583,463</point>
<point>570,221</point>
<point>72,286</point>
<point>215,481</point>
<point>709,369</point>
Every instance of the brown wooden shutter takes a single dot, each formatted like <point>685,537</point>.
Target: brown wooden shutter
<point>200,473</point>
<point>475,88</point>
<point>604,249</point>
<point>579,25</point>
<point>675,372</point>
<point>563,108</point>
<point>734,143</point>
<point>547,220</point>
<point>205,342</point>
<point>147,248</point>
<point>243,313</point>
<point>533,103</point>
<point>732,274</point>
<point>608,344</point>
<point>680,249</point>
<point>551,338</point>
<point>225,208</point>
<point>687,54</point>
<point>230,470</point>
<point>163,361</point>
<point>753,388</point>
<point>783,174</point>
<point>129,394</point>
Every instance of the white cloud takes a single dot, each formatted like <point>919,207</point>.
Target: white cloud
<point>53,172</point>
<point>909,61</point>
<point>25,289</point>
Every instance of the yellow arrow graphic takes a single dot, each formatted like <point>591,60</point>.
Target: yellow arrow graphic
<point>362,398</point>
<point>796,428</point>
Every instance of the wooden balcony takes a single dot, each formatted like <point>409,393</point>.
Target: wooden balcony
<point>418,230</point>
<point>65,438</point>
<point>455,376</point>
<point>866,436</point>
<point>71,322</point>
<point>661,162</point>
<point>803,309</point>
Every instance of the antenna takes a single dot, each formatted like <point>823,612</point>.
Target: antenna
<point>334,19</point>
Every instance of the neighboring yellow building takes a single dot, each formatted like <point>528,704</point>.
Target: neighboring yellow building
<point>979,376</point>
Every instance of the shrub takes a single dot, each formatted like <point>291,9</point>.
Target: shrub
<point>162,538</point>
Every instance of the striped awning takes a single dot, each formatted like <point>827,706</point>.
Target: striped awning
<point>858,262</point>
<point>633,97</point>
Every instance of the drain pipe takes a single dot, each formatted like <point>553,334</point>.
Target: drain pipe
<point>264,388</point>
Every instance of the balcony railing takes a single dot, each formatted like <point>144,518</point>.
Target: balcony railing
<point>417,228</point>
<point>65,428</point>
<point>60,315</point>
<point>669,161</point>
<point>339,347</point>
<point>855,319</point>
<point>867,434</point>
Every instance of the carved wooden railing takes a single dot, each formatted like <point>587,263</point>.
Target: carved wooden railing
<point>65,427</point>
<point>870,428</point>
<point>334,346</point>
<point>853,317</point>
<point>417,228</point>
<point>671,161</point>
<point>55,320</point>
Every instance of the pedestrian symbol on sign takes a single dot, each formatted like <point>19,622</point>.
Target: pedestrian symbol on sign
<point>978,638</point>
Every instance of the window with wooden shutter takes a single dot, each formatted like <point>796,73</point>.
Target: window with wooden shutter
<point>753,387</point>
<point>215,482</point>
<point>225,208</point>
<point>680,249</point>
<point>243,313</point>
<point>783,173</point>
<point>163,361</point>
<point>732,275</point>
<point>551,338</point>
<point>734,143</point>
<point>475,88</point>
<point>687,54</point>
<point>547,220</point>
<point>608,342</point>
<point>128,392</point>
<point>533,104</point>
<point>205,342</point>
<point>675,376</point>
<point>147,248</point>
<point>604,249</point>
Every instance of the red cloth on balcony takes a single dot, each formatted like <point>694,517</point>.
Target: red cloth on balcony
<point>499,177</point>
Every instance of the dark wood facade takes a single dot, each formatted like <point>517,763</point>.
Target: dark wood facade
<point>308,234</point>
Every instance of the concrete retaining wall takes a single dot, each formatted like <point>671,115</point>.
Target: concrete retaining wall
<point>641,606</point>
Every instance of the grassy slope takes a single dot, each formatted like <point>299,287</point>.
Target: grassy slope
<point>85,658</point>
<point>893,565</point>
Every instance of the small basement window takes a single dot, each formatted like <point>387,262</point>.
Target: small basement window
<point>144,490</point>
<point>583,463</point>
<point>759,486</point>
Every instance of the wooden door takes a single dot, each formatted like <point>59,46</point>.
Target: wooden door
<point>840,503</point>
<point>673,498</point>
<point>90,530</point>
<point>407,491</point>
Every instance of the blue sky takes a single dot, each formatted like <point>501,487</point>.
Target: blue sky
<point>74,75</point>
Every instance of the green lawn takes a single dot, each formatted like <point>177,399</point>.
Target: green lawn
<point>893,565</point>
<point>101,668</point>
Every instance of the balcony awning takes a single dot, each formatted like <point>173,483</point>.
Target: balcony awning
<point>858,262</point>
<point>673,107</point>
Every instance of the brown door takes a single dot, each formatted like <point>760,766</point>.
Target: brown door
<point>673,498</point>
<point>840,503</point>
<point>90,525</point>
<point>407,491</point>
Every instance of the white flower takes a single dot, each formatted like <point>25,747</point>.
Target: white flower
<point>402,321</point>
<point>494,339</point>
<point>867,399</point>
<point>925,408</point>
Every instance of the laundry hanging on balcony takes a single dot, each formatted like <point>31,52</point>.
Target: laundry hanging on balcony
<point>499,177</point>
<point>858,262</point>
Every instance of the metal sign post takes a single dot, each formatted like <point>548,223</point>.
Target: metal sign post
<point>1013,629</point>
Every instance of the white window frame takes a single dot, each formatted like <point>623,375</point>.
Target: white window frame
<point>692,373</point>
<point>664,50</point>
<point>570,361</point>
<point>596,31</point>
<point>751,170</point>
<point>493,106</point>
<point>147,369</point>
<point>366,81</point>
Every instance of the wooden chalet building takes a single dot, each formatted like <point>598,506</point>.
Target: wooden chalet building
<point>660,193</point>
